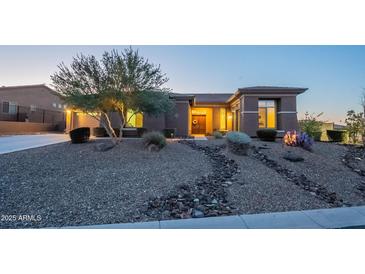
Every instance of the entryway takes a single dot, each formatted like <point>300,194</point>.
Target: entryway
<point>198,124</point>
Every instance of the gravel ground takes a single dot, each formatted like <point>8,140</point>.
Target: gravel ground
<point>260,189</point>
<point>70,184</point>
<point>323,165</point>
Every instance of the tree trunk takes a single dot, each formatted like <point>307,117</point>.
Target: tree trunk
<point>105,122</point>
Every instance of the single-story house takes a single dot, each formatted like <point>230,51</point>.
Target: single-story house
<point>245,110</point>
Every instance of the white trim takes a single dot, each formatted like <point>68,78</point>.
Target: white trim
<point>287,112</point>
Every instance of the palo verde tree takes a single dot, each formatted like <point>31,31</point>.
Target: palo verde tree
<point>118,82</point>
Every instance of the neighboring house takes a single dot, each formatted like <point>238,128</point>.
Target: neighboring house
<point>37,105</point>
<point>329,126</point>
<point>246,110</point>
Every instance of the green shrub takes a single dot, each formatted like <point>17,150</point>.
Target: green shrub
<point>311,125</point>
<point>154,138</point>
<point>238,137</point>
<point>238,142</point>
<point>316,135</point>
<point>141,131</point>
<point>337,135</point>
<point>80,135</point>
<point>267,134</point>
<point>169,132</point>
<point>217,135</point>
<point>355,125</point>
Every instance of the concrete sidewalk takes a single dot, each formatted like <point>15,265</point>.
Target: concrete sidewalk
<point>344,217</point>
<point>21,142</point>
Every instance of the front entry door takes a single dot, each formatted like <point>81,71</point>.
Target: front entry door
<point>198,124</point>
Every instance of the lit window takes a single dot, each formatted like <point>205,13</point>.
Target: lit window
<point>33,107</point>
<point>59,106</point>
<point>267,114</point>
<point>134,120</point>
<point>222,116</point>
<point>54,105</point>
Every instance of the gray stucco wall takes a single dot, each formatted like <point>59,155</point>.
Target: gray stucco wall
<point>179,118</point>
<point>249,115</point>
<point>286,113</point>
<point>287,116</point>
<point>154,123</point>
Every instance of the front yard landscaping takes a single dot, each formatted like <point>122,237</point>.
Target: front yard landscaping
<point>76,184</point>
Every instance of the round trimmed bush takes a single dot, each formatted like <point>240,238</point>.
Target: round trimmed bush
<point>141,131</point>
<point>337,135</point>
<point>80,135</point>
<point>267,134</point>
<point>99,132</point>
<point>154,139</point>
<point>238,142</point>
<point>217,135</point>
<point>169,132</point>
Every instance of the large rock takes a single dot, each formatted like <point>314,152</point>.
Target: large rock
<point>104,146</point>
<point>292,157</point>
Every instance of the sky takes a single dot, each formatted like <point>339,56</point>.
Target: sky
<point>334,75</point>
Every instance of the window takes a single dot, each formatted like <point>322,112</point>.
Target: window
<point>6,107</point>
<point>135,120</point>
<point>222,117</point>
<point>59,106</point>
<point>33,107</point>
<point>10,107</point>
<point>54,105</point>
<point>267,114</point>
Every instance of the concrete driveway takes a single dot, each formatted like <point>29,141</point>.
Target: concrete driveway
<point>22,142</point>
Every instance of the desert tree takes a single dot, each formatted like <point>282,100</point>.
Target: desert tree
<point>355,125</point>
<point>118,82</point>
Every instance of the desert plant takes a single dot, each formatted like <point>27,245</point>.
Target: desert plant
<point>141,131</point>
<point>316,135</point>
<point>337,135</point>
<point>154,140</point>
<point>267,134</point>
<point>80,135</point>
<point>169,132</point>
<point>292,138</point>
<point>118,82</point>
<point>311,125</point>
<point>305,141</point>
<point>355,125</point>
<point>217,135</point>
<point>238,142</point>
